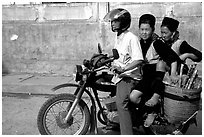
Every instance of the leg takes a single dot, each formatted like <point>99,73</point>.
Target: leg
<point>162,66</point>
<point>122,99</point>
<point>135,96</point>
<point>157,85</point>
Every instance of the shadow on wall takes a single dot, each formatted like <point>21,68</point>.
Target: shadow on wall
<point>5,70</point>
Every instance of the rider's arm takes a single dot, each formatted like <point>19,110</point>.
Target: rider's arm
<point>136,54</point>
<point>189,52</point>
<point>166,53</point>
<point>173,69</point>
<point>132,65</point>
<point>132,56</point>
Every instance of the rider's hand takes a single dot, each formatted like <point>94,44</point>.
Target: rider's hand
<point>174,79</point>
<point>117,69</point>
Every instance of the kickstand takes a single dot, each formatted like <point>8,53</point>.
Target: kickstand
<point>93,120</point>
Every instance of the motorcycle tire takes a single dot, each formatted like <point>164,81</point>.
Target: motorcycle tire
<point>77,125</point>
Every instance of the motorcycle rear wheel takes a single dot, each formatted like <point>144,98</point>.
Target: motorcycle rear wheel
<point>54,110</point>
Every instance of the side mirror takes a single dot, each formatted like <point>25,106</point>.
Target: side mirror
<point>115,53</point>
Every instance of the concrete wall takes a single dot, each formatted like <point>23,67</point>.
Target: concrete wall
<point>52,38</point>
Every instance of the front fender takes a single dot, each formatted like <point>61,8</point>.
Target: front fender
<point>78,86</point>
<point>64,85</point>
<point>73,85</point>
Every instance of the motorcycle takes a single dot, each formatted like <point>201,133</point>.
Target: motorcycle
<point>69,113</point>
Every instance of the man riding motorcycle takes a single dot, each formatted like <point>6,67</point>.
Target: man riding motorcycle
<point>128,64</point>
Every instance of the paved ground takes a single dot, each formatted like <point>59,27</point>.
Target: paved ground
<point>23,95</point>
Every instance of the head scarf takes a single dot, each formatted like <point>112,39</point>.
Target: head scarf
<point>147,18</point>
<point>170,23</point>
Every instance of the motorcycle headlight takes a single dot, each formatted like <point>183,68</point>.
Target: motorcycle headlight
<point>78,73</point>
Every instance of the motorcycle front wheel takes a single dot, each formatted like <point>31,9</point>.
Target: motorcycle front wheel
<point>54,110</point>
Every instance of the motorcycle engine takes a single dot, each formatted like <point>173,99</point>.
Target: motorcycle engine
<point>113,116</point>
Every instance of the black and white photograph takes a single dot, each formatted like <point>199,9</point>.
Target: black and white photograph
<point>101,67</point>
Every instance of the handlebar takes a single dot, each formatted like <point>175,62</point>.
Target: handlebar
<point>95,70</point>
<point>99,61</point>
<point>101,68</point>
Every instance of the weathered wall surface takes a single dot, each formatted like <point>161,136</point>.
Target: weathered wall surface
<point>52,38</point>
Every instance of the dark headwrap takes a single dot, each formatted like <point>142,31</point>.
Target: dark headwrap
<point>147,18</point>
<point>170,23</point>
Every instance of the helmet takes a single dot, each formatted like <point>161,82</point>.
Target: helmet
<point>121,15</point>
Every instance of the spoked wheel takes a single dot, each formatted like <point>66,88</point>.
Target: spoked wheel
<point>51,116</point>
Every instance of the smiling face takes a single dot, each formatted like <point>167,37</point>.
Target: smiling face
<point>166,34</point>
<point>145,31</point>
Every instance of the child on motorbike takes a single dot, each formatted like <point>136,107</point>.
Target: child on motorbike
<point>130,57</point>
<point>148,91</point>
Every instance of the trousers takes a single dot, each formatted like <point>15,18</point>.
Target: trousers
<point>124,88</point>
<point>151,82</point>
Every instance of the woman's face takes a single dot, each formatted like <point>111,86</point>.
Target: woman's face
<point>145,31</point>
<point>166,34</point>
